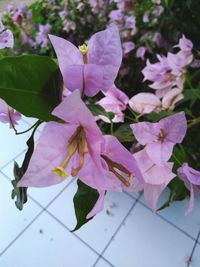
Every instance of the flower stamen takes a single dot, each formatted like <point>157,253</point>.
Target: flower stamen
<point>84,49</point>
<point>112,165</point>
<point>77,142</point>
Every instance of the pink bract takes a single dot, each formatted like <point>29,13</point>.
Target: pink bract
<point>159,138</point>
<point>94,69</point>
<point>191,178</point>
<point>155,178</point>
<point>8,114</point>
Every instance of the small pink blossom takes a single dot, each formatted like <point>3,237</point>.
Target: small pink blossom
<point>144,103</point>
<point>171,98</point>
<point>185,44</point>
<point>159,138</point>
<point>145,18</point>
<point>17,18</point>
<point>141,52</point>
<point>155,178</point>
<point>8,114</point>
<point>158,11</point>
<point>191,178</point>
<point>116,15</point>
<point>6,37</point>
<point>114,101</point>
<point>128,47</point>
<point>168,73</point>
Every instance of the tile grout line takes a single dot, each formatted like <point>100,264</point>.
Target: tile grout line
<point>193,250</point>
<point>44,209</point>
<point>13,159</point>
<point>79,238</point>
<point>100,255</point>
<point>24,230</point>
<point>117,230</point>
<point>18,155</point>
<point>166,220</point>
<point>36,217</point>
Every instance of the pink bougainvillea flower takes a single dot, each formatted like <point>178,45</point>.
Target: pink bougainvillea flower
<point>114,101</point>
<point>8,114</point>
<point>191,178</point>
<point>17,18</point>
<point>159,138</point>
<point>125,168</point>
<point>178,62</point>
<point>128,47</point>
<point>185,44</point>
<point>75,147</point>
<point>91,67</point>
<point>144,103</point>
<point>171,98</point>
<point>169,72</point>
<point>155,178</point>
<point>6,37</point>
<point>141,52</point>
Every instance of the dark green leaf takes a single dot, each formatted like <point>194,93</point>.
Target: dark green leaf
<point>84,201</point>
<point>178,192</point>
<point>124,133</point>
<point>99,110</point>
<point>21,192</point>
<point>31,84</point>
<point>157,116</point>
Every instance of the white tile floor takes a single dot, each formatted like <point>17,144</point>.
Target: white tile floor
<point>125,234</point>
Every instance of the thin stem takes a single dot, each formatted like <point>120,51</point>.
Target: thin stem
<point>194,122</point>
<point>177,160</point>
<point>135,115</point>
<point>35,124</point>
<point>111,128</point>
<point>128,117</point>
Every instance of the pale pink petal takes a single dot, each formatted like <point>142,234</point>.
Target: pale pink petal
<point>98,206</point>
<point>105,50</point>
<point>73,110</point>
<point>66,52</point>
<point>175,127</point>
<point>171,98</point>
<point>49,153</point>
<point>113,148</point>
<point>93,77</point>
<point>191,201</point>
<point>144,103</point>
<point>73,77</point>
<point>145,132</point>
<point>96,176</point>
<point>159,152</point>
<point>152,194</point>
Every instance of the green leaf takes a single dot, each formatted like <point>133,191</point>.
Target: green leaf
<point>124,133</point>
<point>157,116</point>
<point>20,193</point>
<point>178,192</point>
<point>31,84</point>
<point>99,110</point>
<point>84,201</point>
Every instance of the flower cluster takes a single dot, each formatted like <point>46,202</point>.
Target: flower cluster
<point>105,136</point>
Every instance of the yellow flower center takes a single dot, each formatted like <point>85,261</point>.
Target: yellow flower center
<point>84,49</point>
<point>78,143</point>
<point>161,136</point>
